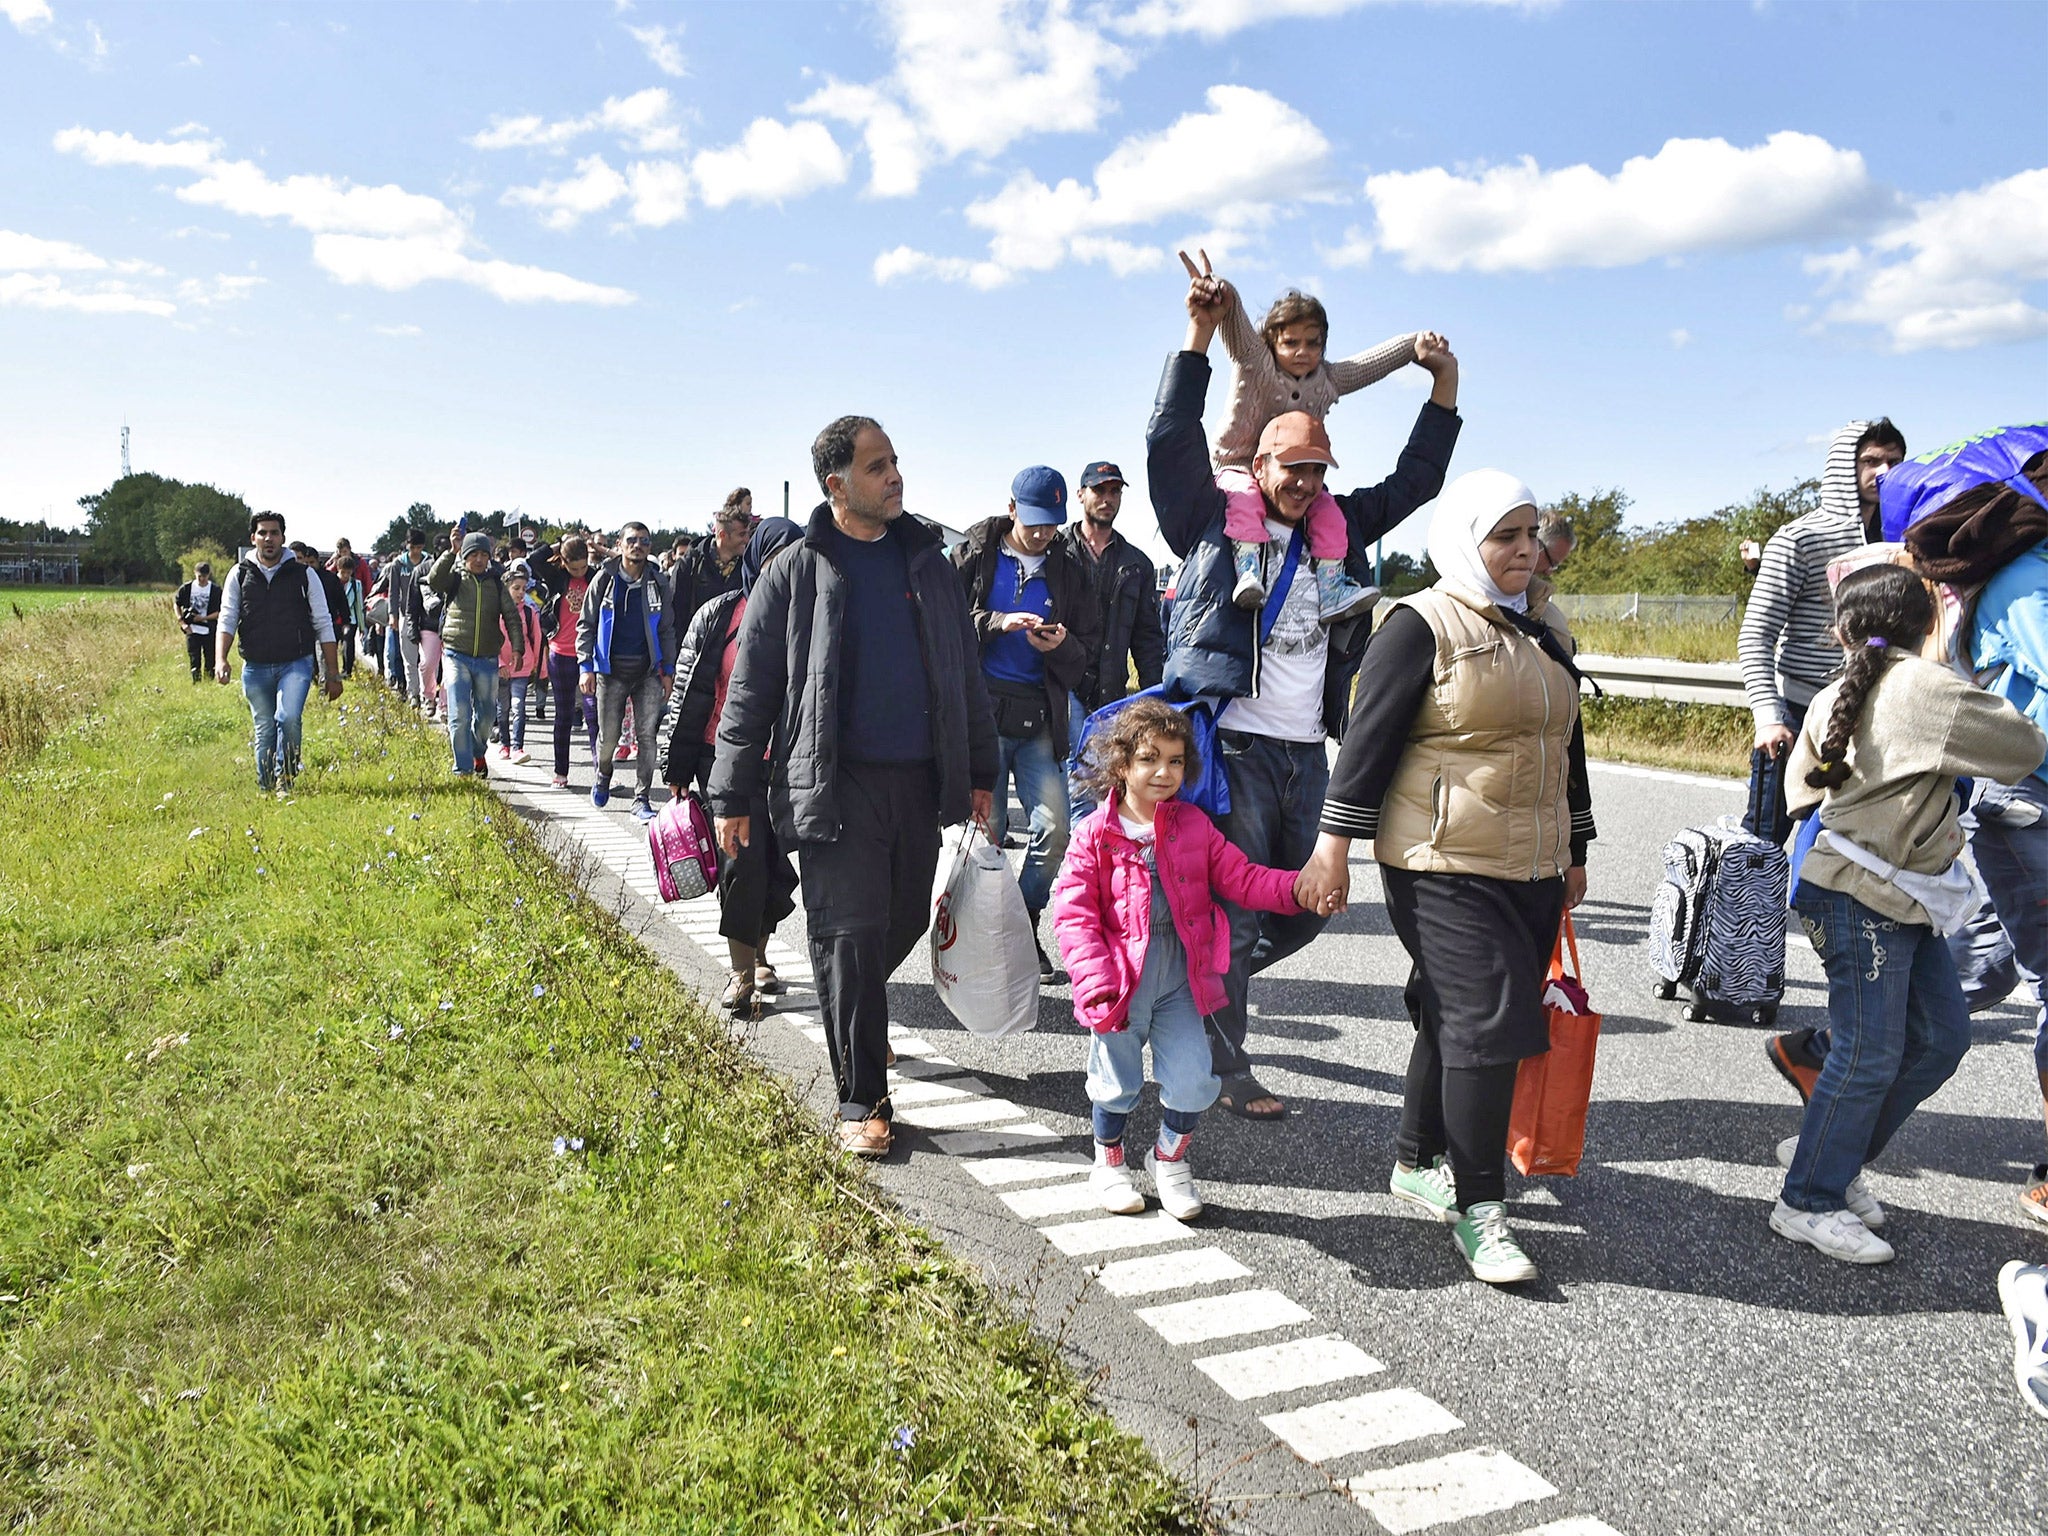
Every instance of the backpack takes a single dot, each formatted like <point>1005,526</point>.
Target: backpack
<point>1717,924</point>
<point>685,853</point>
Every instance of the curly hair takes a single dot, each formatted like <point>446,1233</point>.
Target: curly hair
<point>1880,612</point>
<point>832,450</point>
<point>1291,307</point>
<point>734,500</point>
<point>1113,748</point>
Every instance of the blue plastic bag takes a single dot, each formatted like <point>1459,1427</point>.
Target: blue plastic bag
<point>1919,486</point>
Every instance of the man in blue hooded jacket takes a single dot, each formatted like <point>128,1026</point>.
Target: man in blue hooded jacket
<point>626,646</point>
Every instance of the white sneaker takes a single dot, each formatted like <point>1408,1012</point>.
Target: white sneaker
<point>522,756</point>
<point>1176,1184</point>
<point>1857,1196</point>
<point>1838,1234</point>
<point>1113,1186</point>
<point>2023,1292</point>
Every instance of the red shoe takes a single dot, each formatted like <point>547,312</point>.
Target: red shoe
<point>1786,1058</point>
<point>483,766</point>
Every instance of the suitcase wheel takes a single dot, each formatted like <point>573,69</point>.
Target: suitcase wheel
<point>1667,990</point>
<point>1766,1016</point>
<point>1696,1013</point>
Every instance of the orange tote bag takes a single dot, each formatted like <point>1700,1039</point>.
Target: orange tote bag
<point>1547,1128</point>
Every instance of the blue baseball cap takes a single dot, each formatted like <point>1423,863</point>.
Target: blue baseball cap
<point>1101,472</point>
<point>1040,493</point>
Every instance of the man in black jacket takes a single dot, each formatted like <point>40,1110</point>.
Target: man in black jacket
<point>1285,678</point>
<point>1126,593</point>
<point>857,707</point>
<point>1037,624</point>
<point>198,605</point>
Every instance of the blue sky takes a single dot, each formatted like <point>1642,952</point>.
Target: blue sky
<point>604,261</point>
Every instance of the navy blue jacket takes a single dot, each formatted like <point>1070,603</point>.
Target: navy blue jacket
<point>1212,648</point>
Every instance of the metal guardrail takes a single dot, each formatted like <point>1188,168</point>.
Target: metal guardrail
<point>1658,677</point>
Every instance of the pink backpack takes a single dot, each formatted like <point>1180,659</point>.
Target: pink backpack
<point>685,852</point>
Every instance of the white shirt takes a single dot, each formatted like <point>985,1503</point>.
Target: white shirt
<point>1292,664</point>
<point>201,595</point>
<point>316,600</point>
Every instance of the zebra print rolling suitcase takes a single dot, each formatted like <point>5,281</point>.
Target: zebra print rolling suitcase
<point>1717,924</point>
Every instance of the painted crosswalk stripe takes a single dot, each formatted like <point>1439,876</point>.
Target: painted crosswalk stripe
<point>911,1067</point>
<point>952,1089</point>
<point>912,1045</point>
<point>990,1171</point>
<point>1580,1525</point>
<point>1050,1200</point>
<point>1027,1135</point>
<point>1108,1233</point>
<point>1368,1422</point>
<point>1288,1367</point>
<point>962,1112</point>
<point>816,1032</point>
<point>1166,1271</point>
<point>1222,1317</point>
<point>1446,1488</point>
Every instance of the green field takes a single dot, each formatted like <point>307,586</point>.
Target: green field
<point>18,603</point>
<point>360,1174</point>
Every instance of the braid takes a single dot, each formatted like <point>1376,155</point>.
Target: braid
<point>1880,611</point>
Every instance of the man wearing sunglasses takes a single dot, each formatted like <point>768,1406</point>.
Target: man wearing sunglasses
<point>625,648</point>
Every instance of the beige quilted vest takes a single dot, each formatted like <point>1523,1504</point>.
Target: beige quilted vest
<point>1481,788</point>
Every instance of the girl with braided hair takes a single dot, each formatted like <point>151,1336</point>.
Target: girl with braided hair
<point>1879,755</point>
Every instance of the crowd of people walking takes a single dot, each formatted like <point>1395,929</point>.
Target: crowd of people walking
<point>841,689</point>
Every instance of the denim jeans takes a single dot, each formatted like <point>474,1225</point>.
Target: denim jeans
<point>571,703</point>
<point>1042,789</point>
<point>512,712</point>
<point>1276,808</point>
<point>1163,1013</point>
<point>276,691</point>
<point>394,659</point>
<point>472,704</point>
<point>2009,839</point>
<point>645,695</point>
<point>1900,1029</point>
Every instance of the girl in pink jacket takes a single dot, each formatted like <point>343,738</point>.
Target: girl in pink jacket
<point>1146,945</point>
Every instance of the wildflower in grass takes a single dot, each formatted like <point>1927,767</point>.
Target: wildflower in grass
<point>561,1146</point>
<point>632,1043</point>
<point>518,902</point>
<point>445,1005</point>
<point>903,1437</point>
<point>539,990</point>
<point>487,821</point>
<point>389,830</point>
<point>392,854</point>
<point>396,1032</point>
<point>195,832</point>
<point>261,870</point>
<point>415,815</point>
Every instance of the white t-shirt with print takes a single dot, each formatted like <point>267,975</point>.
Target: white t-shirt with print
<point>1289,706</point>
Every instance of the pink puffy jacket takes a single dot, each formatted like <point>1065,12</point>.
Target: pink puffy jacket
<point>1102,907</point>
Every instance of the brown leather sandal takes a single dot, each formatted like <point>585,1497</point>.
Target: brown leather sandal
<point>866,1138</point>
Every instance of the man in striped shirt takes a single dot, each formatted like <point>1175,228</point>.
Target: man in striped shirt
<point>1787,646</point>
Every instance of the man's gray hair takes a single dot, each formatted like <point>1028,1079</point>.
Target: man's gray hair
<point>1552,526</point>
<point>832,451</point>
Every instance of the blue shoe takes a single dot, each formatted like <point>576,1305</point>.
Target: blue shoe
<point>643,808</point>
<point>601,789</point>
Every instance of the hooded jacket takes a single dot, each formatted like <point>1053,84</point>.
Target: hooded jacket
<point>1066,582</point>
<point>784,701</point>
<point>1213,645</point>
<point>1785,648</point>
<point>1102,906</point>
<point>477,618</point>
<point>1125,589</point>
<point>695,693</point>
<point>596,624</point>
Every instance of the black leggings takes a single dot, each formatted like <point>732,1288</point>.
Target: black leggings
<point>1462,1111</point>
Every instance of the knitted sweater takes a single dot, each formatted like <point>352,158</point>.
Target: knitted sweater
<point>1785,648</point>
<point>1260,389</point>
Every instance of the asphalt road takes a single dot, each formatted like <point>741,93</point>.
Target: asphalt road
<point>1677,1369</point>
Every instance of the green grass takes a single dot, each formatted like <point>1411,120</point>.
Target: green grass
<point>18,603</point>
<point>1679,642</point>
<point>1698,738</point>
<point>296,1236</point>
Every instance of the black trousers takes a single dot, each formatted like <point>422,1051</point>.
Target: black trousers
<point>867,901</point>
<point>199,651</point>
<point>757,886</point>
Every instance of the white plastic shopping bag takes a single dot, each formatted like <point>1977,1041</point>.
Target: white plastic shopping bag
<point>984,964</point>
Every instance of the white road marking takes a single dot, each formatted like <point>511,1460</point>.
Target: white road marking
<point>1581,1525</point>
<point>910,1067</point>
<point>1365,1423</point>
<point>1223,1317</point>
<point>1446,1488</point>
<point>1288,1367</point>
<point>1167,1272</point>
<point>1028,1136</point>
<point>1022,1170</point>
<point>1668,776</point>
<point>965,1112</point>
<point>902,1093</point>
<point>1050,1200</point>
<point>1108,1233</point>
<point>912,1045</point>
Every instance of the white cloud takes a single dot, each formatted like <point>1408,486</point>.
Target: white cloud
<point>1235,164</point>
<point>1680,339</point>
<point>661,192</point>
<point>1215,19</point>
<point>99,148</point>
<point>224,289</point>
<point>563,204</point>
<point>44,290</point>
<point>971,78</point>
<point>396,330</point>
<point>663,46</point>
<point>28,253</point>
<point>645,120</point>
<point>1954,274</point>
<point>771,163</point>
<point>26,15</point>
<point>383,236</point>
<point>1692,195</point>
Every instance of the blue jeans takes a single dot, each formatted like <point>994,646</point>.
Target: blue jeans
<point>276,691</point>
<point>512,713</point>
<point>2009,839</point>
<point>394,659</point>
<point>1163,1012</point>
<point>1276,808</point>
<point>1900,1030</point>
<point>1042,787</point>
<point>472,701</point>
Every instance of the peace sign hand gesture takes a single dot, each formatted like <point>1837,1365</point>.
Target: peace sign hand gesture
<point>1209,299</point>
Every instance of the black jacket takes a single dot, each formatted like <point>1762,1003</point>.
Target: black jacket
<point>783,699</point>
<point>1213,648</point>
<point>1066,582</point>
<point>1127,605</point>
<point>695,690</point>
<point>189,614</point>
<point>697,579</point>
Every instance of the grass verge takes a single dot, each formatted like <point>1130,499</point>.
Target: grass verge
<point>1679,642</point>
<point>361,1174</point>
<point>60,666</point>
<point>1697,738</point>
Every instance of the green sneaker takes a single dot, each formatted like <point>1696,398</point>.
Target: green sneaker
<point>1483,1238</point>
<point>1432,1188</point>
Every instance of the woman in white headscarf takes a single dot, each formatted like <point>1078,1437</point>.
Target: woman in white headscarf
<point>1465,765</point>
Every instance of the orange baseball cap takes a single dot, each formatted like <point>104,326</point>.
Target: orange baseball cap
<point>1296,438</point>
